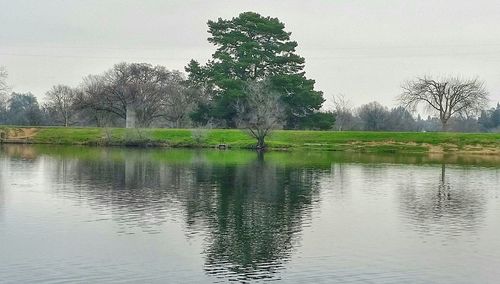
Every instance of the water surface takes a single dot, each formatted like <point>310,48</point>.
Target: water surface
<point>114,215</point>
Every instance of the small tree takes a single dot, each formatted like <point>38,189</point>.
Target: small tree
<point>400,119</point>
<point>344,118</point>
<point>60,103</point>
<point>261,111</point>
<point>373,116</point>
<point>23,109</point>
<point>448,97</point>
<point>179,100</point>
<point>490,119</point>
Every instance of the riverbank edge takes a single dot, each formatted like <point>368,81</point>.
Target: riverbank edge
<point>282,140</point>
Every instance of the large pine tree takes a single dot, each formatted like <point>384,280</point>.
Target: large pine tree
<point>252,47</point>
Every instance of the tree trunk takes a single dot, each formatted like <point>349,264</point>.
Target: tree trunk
<point>444,125</point>
<point>97,121</point>
<point>131,117</point>
<point>260,143</point>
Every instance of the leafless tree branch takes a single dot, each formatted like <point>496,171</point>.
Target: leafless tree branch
<point>448,98</point>
<point>261,111</point>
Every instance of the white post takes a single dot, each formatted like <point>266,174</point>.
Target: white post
<point>131,117</point>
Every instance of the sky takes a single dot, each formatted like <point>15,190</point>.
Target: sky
<point>363,50</point>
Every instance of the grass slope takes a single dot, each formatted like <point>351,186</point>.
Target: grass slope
<point>359,141</point>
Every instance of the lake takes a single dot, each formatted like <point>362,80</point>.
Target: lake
<point>119,215</point>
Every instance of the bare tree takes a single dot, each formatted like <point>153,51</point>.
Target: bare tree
<point>94,105</point>
<point>135,92</point>
<point>135,89</point>
<point>344,118</point>
<point>179,100</point>
<point>448,98</point>
<point>261,111</point>
<point>373,116</point>
<point>61,102</point>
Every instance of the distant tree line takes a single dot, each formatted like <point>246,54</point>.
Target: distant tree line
<point>24,109</point>
<point>143,94</point>
<point>376,117</point>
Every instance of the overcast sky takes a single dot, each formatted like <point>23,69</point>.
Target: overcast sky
<point>362,49</point>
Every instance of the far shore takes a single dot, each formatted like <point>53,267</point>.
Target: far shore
<point>353,141</point>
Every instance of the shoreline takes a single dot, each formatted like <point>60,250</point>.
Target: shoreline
<point>280,140</point>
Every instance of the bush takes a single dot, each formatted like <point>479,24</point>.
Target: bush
<point>136,137</point>
<point>199,135</point>
<point>318,121</point>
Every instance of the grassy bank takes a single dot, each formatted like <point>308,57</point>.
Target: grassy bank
<point>411,142</point>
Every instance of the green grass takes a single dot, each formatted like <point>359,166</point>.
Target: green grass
<point>410,142</point>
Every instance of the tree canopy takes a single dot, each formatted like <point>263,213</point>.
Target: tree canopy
<point>24,109</point>
<point>60,104</point>
<point>251,47</point>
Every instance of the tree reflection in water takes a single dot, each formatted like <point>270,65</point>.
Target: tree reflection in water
<point>250,214</point>
<point>22,156</point>
<point>259,215</point>
<point>439,202</point>
<point>444,189</point>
